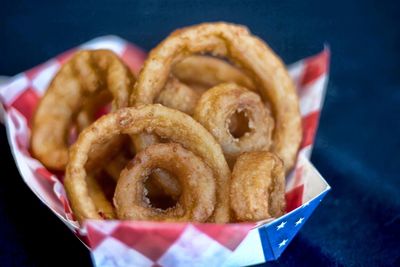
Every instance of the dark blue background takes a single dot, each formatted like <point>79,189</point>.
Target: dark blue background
<point>358,142</point>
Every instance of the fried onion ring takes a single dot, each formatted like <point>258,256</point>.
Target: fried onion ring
<point>161,183</point>
<point>85,75</point>
<point>249,53</point>
<point>219,104</point>
<point>160,178</point>
<point>178,96</point>
<point>195,75</point>
<point>198,186</point>
<point>258,186</point>
<point>166,123</point>
<point>203,72</point>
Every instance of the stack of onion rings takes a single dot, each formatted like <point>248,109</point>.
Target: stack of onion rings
<point>165,122</point>
<point>245,115</point>
<point>248,52</point>
<point>191,78</point>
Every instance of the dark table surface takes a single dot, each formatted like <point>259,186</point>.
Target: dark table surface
<point>358,223</point>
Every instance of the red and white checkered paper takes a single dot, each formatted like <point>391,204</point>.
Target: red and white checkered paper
<point>129,243</point>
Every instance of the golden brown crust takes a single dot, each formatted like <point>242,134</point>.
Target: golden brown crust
<point>219,104</point>
<point>160,179</point>
<point>258,187</point>
<point>166,123</point>
<point>249,53</point>
<point>197,200</point>
<point>190,78</point>
<point>199,71</point>
<point>88,73</point>
<point>193,76</point>
<point>178,96</point>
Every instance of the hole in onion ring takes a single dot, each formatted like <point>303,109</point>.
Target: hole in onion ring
<point>101,189</point>
<point>239,124</point>
<point>156,195</point>
<point>103,173</point>
<point>107,185</point>
<point>93,108</point>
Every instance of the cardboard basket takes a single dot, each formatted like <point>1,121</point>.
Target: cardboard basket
<point>132,243</point>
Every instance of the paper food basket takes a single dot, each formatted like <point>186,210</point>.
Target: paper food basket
<point>130,243</point>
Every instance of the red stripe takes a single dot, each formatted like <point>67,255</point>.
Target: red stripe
<point>94,236</point>
<point>64,57</point>
<point>152,239</point>
<point>228,235</point>
<point>26,103</point>
<point>315,67</point>
<point>66,206</point>
<point>43,172</point>
<point>133,57</point>
<point>310,124</point>
<point>294,198</point>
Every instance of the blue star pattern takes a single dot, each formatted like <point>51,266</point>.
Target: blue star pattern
<point>276,235</point>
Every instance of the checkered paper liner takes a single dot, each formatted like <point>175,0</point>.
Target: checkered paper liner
<point>131,243</point>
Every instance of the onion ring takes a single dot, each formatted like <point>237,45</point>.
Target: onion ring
<point>216,107</point>
<point>178,96</point>
<point>196,74</point>
<point>251,54</point>
<point>193,76</point>
<point>198,186</point>
<point>160,185</point>
<point>160,178</point>
<point>258,186</point>
<point>86,74</point>
<point>203,72</point>
<point>166,123</point>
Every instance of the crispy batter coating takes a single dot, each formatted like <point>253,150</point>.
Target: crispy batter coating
<point>161,179</point>
<point>84,76</point>
<point>199,71</point>
<point>166,123</point>
<point>219,104</point>
<point>197,200</point>
<point>258,187</point>
<point>178,95</point>
<point>249,53</point>
<point>195,75</point>
<point>191,78</point>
